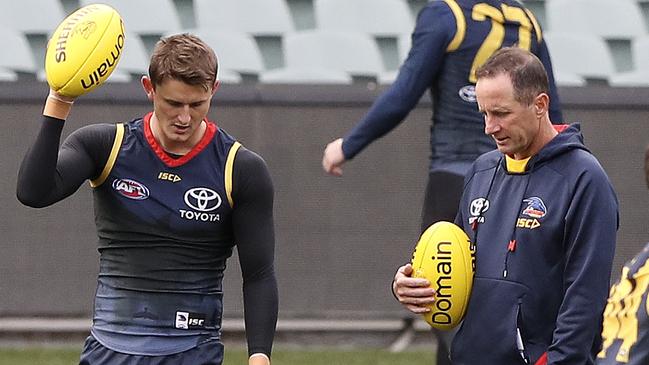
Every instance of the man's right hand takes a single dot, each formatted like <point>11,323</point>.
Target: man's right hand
<point>57,105</point>
<point>333,158</point>
<point>414,293</point>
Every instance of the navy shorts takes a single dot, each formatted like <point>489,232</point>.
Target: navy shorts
<point>442,198</point>
<point>208,353</point>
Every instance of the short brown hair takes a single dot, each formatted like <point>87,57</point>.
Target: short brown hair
<point>183,57</point>
<point>529,77</point>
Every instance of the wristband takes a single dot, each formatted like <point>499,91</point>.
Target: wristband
<point>56,107</point>
<point>60,100</point>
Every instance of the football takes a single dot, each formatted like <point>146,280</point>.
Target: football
<point>84,50</point>
<point>445,256</point>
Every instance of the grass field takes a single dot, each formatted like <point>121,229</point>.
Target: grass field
<point>49,356</point>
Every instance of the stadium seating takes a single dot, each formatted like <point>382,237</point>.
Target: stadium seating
<point>237,53</point>
<point>145,17</point>
<point>17,56</point>
<point>379,18</point>
<point>266,20</point>
<point>579,55</point>
<point>32,16</point>
<point>617,22</point>
<point>7,75</point>
<point>301,75</point>
<point>135,57</point>
<point>256,17</point>
<point>416,6</point>
<point>640,75</point>
<point>385,20</point>
<point>353,53</point>
<point>613,29</point>
<point>403,44</point>
<point>619,19</point>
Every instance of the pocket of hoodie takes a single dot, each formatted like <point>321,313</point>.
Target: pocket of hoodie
<point>488,333</point>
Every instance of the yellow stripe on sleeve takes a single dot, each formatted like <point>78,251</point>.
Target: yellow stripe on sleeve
<point>229,166</point>
<point>460,25</point>
<point>119,136</point>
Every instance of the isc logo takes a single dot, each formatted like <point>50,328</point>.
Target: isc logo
<point>196,322</point>
<point>527,223</point>
<point>168,176</point>
<point>186,320</point>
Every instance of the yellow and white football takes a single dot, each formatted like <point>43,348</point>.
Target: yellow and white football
<point>445,256</point>
<point>84,50</point>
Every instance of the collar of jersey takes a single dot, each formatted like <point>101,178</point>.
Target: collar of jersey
<point>210,131</point>
<point>516,166</point>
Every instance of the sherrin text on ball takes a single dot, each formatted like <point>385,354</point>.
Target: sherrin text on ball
<point>84,50</point>
<point>445,256</point>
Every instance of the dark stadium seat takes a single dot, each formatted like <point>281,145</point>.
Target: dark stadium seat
<point>579,55</point>
<point>639,76</point>
<point>379,18</point>
<point>353,53</point>
<point>266,20</point>
<point>619,19</point>
<point>239,57</point>
<point>17,55</point>
<point>31,17</point>
<point>7,75</point>
<point>145,17</point>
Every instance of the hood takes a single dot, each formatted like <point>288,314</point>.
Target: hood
<point>568,139</point>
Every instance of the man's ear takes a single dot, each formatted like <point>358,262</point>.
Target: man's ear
<point>541,105</point>
<point>147,85</point>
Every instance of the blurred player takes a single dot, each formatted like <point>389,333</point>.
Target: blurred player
<point>451,39</point>
<point>173,194</point>
<point>543,216</point>
<point>626,317</point>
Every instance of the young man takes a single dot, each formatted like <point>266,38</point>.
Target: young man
<point>625,332</point>
<point>543,216</point>
<point>450,40</point>
<point>173,194</point>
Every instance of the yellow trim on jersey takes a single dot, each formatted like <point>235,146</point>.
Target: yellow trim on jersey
<point>516,166</point>
<point>229,166</point>
<point>537,28</point>
<point>119,136</point>
<point>460,25</point>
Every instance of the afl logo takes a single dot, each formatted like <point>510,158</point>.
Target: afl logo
<point>131,189</point>
<point>202,199</point>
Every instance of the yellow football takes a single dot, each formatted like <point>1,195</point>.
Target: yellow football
<point>445,256</point>
<point>84,50</point>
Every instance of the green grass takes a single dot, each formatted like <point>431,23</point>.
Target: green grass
<point>49,356</point>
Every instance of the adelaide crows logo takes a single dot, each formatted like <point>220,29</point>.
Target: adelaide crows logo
<point>535,208</point>
<point>533,211</point>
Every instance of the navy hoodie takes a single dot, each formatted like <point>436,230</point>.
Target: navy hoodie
<point>545,240</point>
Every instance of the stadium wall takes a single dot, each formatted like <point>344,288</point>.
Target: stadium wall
<point>339,240</point>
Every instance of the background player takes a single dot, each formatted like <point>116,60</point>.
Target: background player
<point>173,194</point>
<point>451,39</point>
<point>626,317</point>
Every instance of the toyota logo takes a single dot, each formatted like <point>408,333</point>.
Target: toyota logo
<point>202,199</point>
<point>479,206</point>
